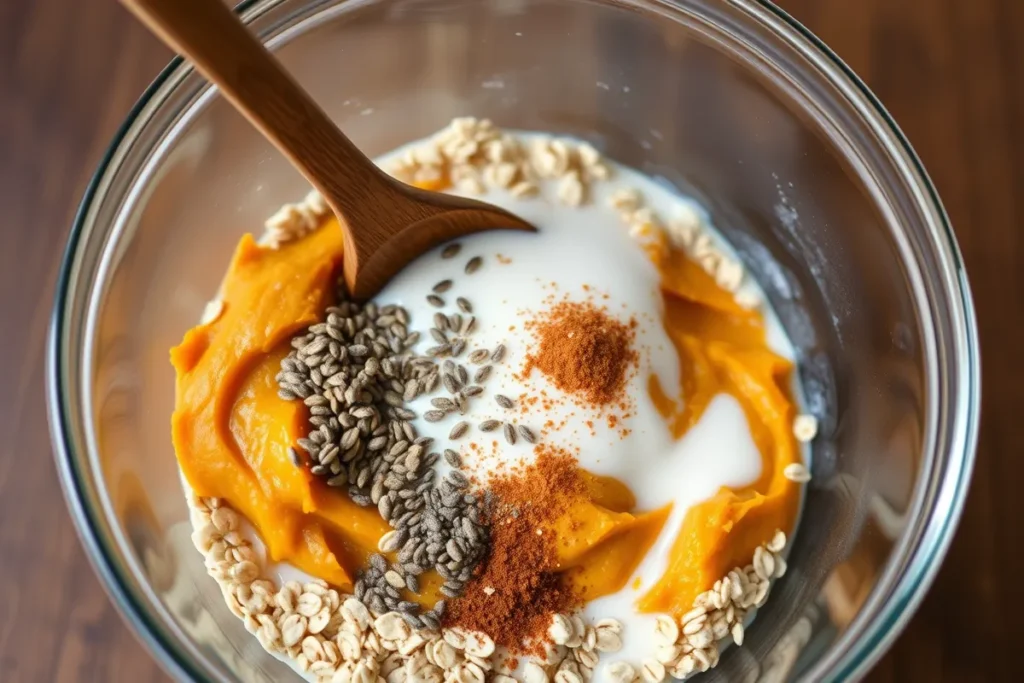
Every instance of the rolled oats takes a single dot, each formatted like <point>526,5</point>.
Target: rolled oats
<point>444,655</point>
<point>309,604</point>
<point>567,676</point>
<point>666,630</point>
<point>534,673</point>
<point>293,629</point>
<point>479,644</point>
<point>666,654</point>
<point>805,427</point>
<point>561,629</point>
<point>686,665</point>
<point>652,671</point>
<point>571,190</point>
<point>579,629</point>
<point>409,645</point>
<point>587,658</point>
<point>319,621</point>
<point>621,672</point>
<point>524,188</point>
<point>337,637</point>
<point>212,312</point>
<point>391,626</point>
<point>313,648</point>
<point>456,638</point>
<point>625,200</point>
<point>245,572</point>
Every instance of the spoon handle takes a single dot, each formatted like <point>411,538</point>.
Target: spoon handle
<point>210,35</point>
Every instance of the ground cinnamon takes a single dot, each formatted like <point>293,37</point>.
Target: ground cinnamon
<point>517,590</point>
<point>583,350</point>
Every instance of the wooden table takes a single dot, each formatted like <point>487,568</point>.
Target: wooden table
<point>950,71</point>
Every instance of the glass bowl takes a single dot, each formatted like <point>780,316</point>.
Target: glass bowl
<point>729,100</point>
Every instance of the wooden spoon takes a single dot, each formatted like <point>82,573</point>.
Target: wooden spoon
<point>386,224</point>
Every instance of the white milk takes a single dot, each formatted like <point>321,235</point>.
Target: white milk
<point>577,247</point>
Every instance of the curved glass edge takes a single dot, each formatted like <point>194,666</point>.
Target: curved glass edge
<point>928,554</point>
<point>82,515</point>
<point>853,664</point>
<point>71,478</point>
<point>70,475</point>
<point>935,541</point>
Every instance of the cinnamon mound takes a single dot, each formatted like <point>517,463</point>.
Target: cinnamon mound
<point>584,351</point>
<point>517,589</point>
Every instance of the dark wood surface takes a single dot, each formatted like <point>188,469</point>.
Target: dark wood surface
<point>950,71</point>
<point>400,222</point>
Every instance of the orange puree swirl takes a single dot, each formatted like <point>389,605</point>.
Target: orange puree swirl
<point>231,433</point>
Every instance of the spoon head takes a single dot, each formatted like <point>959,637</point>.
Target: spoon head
<point>419,222</point>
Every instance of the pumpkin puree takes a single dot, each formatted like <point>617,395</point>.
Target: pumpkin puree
<point>231,433</point>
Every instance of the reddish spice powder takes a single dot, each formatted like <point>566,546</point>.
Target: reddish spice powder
<point>517,589</point>
<point>583,350</point>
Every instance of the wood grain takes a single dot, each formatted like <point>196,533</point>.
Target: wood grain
<point>386,223</point>
<point>951,72</point>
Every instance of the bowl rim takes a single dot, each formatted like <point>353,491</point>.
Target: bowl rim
<point>859,647</point>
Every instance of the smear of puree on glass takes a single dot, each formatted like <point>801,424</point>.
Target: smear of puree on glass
<point>232,432</point>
